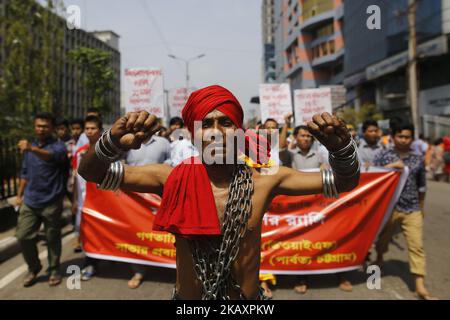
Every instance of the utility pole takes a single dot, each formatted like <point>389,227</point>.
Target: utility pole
<point>412,65</point>
<point>187,61</point>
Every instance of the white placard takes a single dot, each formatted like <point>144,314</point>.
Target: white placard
<point>144,90</point>
<point>177,99</point>
<point>308,102</point>
<point>275,101</point>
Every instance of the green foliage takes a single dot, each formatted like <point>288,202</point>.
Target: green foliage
<point>366,111</point>
<point>32,47</point>
<point>96,72</point>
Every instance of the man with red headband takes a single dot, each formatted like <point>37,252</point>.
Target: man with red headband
<point>215,209</point>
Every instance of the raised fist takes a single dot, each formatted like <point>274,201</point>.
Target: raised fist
<point>130,131</point>
<point>330,131</point>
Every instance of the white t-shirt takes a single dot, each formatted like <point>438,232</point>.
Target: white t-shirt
<point>181,150</point>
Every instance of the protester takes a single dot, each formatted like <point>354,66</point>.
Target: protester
<point>437,162</point>
<point>278,157</point>
<point>63,134</point>
<point>271,126</point>
<point>446,141</point>
<point>153,150</point>
<point>420,145</point>
<point>386,140</point>
<point>76,129</point>
<point>40,197</point>
<point>303,156</point>
<point>188,213</point>
<point>175,123</point>
<point>370,144</point>
<point>181,147</point>
<point>83,138</point>
<point>93,129</point>
<point>408,211</point>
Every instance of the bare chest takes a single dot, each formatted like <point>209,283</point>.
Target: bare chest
<point>260,200</point>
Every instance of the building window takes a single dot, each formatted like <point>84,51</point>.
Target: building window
<point>332,47</point>
<point>312,8</point>
<point>323,31</point>
<point>324,48</point>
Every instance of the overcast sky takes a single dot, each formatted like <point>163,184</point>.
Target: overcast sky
<point>228,32</point>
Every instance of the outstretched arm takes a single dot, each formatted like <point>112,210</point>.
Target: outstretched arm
<point>127,133</point>
<point>333,134</point>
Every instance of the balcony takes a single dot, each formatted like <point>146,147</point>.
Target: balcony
<point>294,68</point>
<point>317,11</point>
<point>326,60</point>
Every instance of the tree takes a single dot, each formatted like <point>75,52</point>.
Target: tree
<point>97,75</point>
<point>32,43</point>
<point>366,111</point>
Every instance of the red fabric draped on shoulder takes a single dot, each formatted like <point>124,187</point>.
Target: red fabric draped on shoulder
<point>188,206</point>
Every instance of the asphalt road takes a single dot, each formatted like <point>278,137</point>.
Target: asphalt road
<point>396,283</point>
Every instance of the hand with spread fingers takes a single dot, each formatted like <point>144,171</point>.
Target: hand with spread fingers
<point>329,130</point>
<point>130,131</point>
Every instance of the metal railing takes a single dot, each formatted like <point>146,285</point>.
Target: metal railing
<point>10,163</point>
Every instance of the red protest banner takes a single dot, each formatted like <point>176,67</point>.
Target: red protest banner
<point>300,235</point>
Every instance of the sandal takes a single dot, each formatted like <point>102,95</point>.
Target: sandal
<point>30,278</point>
<point>345,285</point>
<point>425,296</point>
<point>54,280</point>
<point>136,281</point>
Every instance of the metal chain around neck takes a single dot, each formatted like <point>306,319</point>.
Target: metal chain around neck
<point>213,257</point>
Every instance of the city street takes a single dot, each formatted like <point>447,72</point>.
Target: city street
<point>397,283</point>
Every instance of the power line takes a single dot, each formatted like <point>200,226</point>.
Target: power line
<point>158,29</point>
<point>156,26</point>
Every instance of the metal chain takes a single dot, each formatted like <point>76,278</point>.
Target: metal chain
<point>214,256</point>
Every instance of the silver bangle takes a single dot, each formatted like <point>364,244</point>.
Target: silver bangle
<point>109,183</point>
<point>345,162</point>
<point>106,152</point>
<point>113,177</point>
<point>105,180</point>
<point>334,191</point>
<point>324,184</point>
<point>342,151</point>
<point>329,186</point>
<point>117,179</point>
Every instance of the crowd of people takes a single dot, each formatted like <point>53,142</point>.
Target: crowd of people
<point>50,164</point>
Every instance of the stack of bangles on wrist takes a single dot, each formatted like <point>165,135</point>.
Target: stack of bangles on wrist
<point>108,152</point>
<point>344,163</point>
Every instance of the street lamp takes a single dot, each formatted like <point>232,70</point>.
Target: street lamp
<point>187,66</point>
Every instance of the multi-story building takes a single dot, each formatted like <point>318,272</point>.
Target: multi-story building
<point>309,44</point>
<point>268,21</point>
<point>71,98</point>
<point>376,60</point>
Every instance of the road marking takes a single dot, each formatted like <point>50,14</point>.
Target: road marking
<point>398,295</point>
<point>13,275</point>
